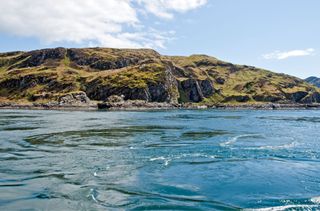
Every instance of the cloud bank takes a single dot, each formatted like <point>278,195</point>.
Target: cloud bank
<point>166,8</point>
<point>278,55</point>
<point>111,23</point>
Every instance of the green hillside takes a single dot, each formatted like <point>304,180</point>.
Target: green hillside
<point>143,74</point>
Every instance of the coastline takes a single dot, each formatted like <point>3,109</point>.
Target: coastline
<point>145,106</point>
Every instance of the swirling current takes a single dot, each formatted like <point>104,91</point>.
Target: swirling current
<point>160,160</point>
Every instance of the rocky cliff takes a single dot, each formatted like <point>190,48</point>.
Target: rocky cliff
<point>78,76</point>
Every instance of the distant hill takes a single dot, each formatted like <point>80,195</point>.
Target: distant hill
<point>313,80</point>
<point>70,75</point>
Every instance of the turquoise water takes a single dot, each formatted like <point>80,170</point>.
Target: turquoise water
<point>183,160</point>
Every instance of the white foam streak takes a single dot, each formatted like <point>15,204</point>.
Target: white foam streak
<point>285,146</point>
<point>286,207</point>
<point>315,200</point>
<point>235,139</point>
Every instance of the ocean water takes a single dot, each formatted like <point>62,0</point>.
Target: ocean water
<point>161,160</point>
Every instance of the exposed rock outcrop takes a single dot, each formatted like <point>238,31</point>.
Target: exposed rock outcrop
<point>78,98</point>
<point>268,98</point>
<point>297,96</point>
<point>237,98</point>
<point>311,98</point>
<point>39,57</point>
<point>192,90</point>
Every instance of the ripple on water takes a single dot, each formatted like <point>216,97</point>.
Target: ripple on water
<point>196,135</point>
<point>200,116</point>
<point>185,160</point>
<point>20,128</point>
<point>234,139</point>
<point>295,119</point>
<point>292,204</point>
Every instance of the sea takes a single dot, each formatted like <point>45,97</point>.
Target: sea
<point>160,160</point>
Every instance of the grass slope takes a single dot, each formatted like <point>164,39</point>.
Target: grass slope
<point>43,75</point>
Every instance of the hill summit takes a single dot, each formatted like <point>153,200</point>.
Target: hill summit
<point>313,80</point>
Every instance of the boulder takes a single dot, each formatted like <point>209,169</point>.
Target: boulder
<point>115,99</point>
<point>77,98</point>
<point>220,80</point>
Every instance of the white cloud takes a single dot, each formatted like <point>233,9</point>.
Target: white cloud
<point>285,55</point>
<point>164,8</point>
<point>110,23</point>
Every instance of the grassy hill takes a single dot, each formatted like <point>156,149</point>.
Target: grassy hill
<point>142,74</point>
<point>313,80</point>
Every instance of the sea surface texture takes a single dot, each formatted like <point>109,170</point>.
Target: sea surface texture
<point>161,160</point>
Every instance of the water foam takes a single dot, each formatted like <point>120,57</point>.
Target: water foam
<point>285,207</point>
<point>285,146</point>
<point>233,140</point>
<point>157,158</point>
<point>166,160</point>
<point>315,200</point>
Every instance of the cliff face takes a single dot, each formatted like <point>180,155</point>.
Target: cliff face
<point>97,73</point>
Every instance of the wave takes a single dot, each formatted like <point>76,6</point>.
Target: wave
<point>286,207</point>
<point>236,138</point>
<point>166,160</point>
<point>296,119</point>
<point>157,158</point>
<point>315,202</point>
<point>275,147</point>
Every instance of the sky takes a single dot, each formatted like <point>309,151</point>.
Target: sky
<point>278,35</point>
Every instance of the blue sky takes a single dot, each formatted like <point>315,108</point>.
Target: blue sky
<point>279,35</point>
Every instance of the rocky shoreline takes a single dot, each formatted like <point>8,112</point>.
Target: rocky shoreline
<point>143,105</point>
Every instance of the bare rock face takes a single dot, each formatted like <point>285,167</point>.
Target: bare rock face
<point>206,87</point>
<point>268,98</point>
<point>79,98</point>
<point>38,57</point>
<point>157,92</point>
<point>97,62</point>
<point>161,90</point>
<point>238,98</point>
<point>25,82</point>
<point>297,96</point>
<point>99,91</point>
<point>195,90</point>
<point>115,99</point>
<point>312,98</point>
